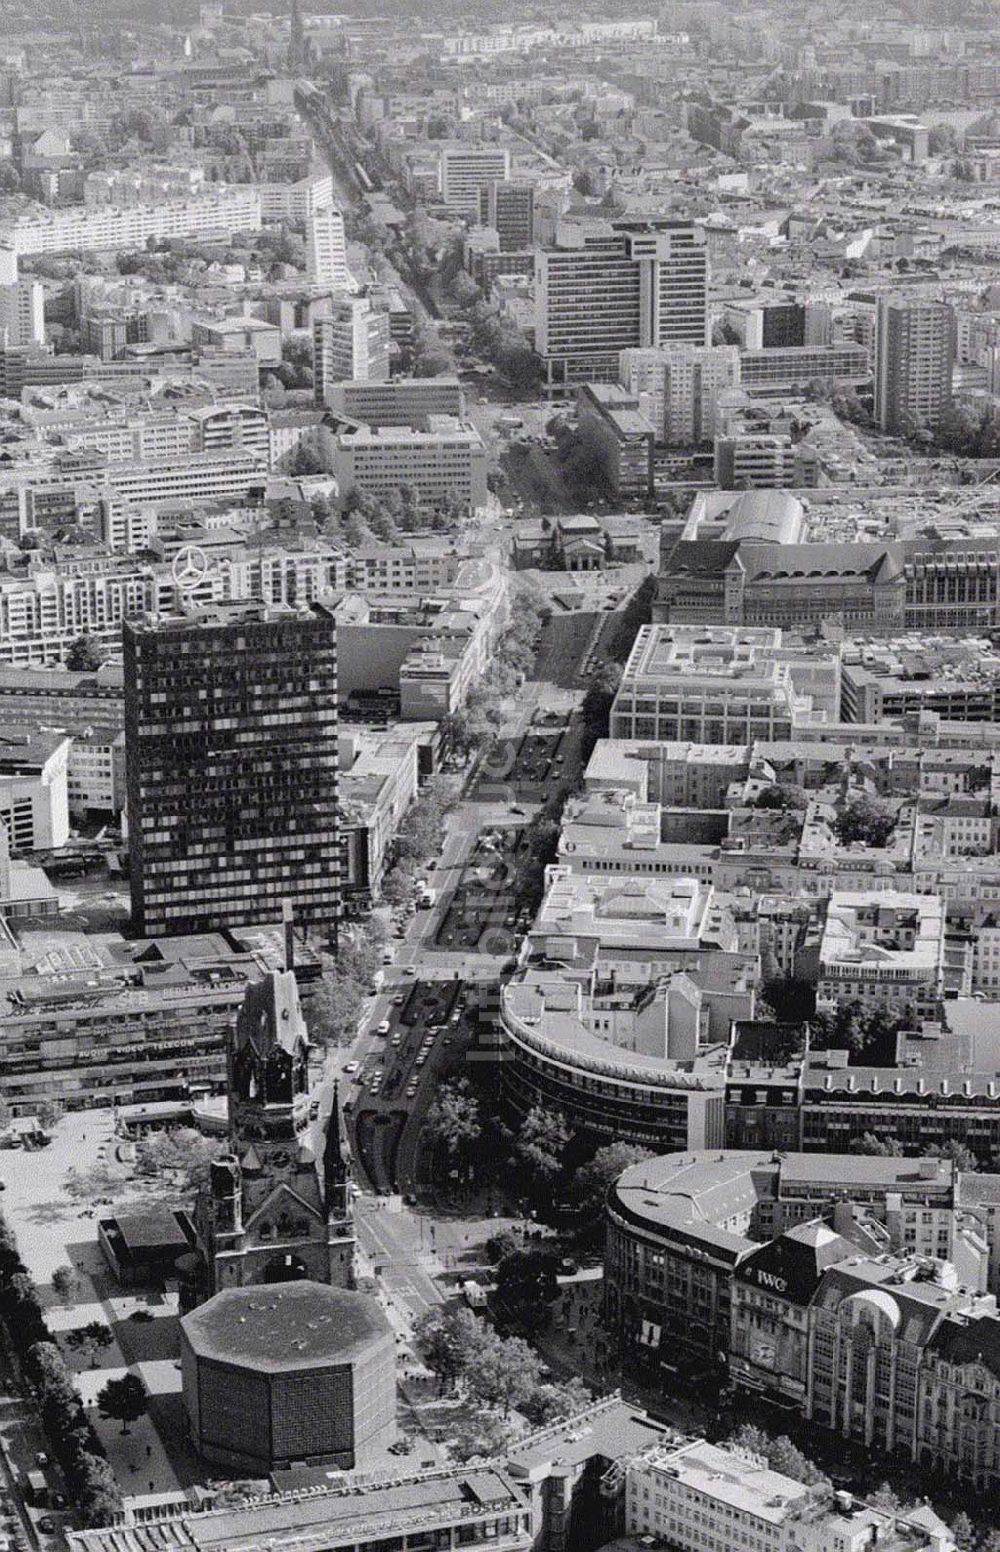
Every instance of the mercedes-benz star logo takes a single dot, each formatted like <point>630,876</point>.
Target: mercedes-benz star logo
<point>190,567</point>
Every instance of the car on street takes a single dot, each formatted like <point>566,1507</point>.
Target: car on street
<point>383,1028</point>
<point>409,969</point>
<point>352,1066</point>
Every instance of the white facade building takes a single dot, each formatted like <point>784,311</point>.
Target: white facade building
<point>326,248</point>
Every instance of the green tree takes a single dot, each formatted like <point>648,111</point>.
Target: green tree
<point>124,1399</point>
<point>876,1147</point>
<point>446,1339</point>
<point>453,1122</point>
<point>334,1009</point>
<point>963,1532</point>
<point>541,1141</point>
<point>594,1180</point>
<point>962,1157</point>
<point>488,1437</point>
<point>502,1372</point>
<point>527,1287</point>
<point>180,1151</point>
<point>550,1402</point>
<point>498,1246</point>
<point>65,1283</point>
<point>599,696</point>
<point>865,820</point>
<point>85,654</point>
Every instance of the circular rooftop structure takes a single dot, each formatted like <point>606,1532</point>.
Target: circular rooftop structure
<point>284,1372</point>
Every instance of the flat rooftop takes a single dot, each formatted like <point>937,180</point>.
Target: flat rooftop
<point>285,1325</point>
<point>309,1522</point>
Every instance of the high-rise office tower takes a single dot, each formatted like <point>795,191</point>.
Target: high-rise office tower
<point>231,759</point>
<point>678,387</point>
<point>352,345</point>
<point>326,248</point>
<point>914,353</point>
<point>464,170</point>
<point>609,286</point>
<point>510,209</point>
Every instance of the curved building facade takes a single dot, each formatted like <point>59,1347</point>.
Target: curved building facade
<point>561,1055</point>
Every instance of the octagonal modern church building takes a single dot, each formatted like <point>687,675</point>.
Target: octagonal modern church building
<point>289,1372</point>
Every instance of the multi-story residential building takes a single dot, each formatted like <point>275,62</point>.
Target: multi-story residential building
<point>914,352</point>
<point>612,286</point>
<point>352,344</point>
<point>445,462</point>
<point>621,436</point>
<point>466,171</point>
<point>716,685</point>
<point>326,249</point>
<point>22,314</point>
<point>678,387</point>
<point>89,1019</point>
<point>883,950</point>
<point>118,228</point>
<point>230,725</point>
<point>34,792</point>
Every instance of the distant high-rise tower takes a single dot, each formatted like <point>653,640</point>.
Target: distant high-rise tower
<point>231,759</point>
<point>297,48</point>
<point>326,248</point>
<point>914,353</point>
<point>271,1212</point>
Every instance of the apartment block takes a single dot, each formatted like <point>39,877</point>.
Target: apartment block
<point>678,388</point>
<point>914,352</point>
<point>465,171</point>
<point>351,345</point>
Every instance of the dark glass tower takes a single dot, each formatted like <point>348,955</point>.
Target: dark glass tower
<point>231,749</point>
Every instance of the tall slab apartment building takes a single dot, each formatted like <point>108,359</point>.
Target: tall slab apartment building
<point>609,286</point>
<point>231,754</point>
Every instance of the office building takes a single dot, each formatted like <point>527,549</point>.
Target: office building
<point>756,463</point>
<point>914,352</point>
<point>509,209</point>
<point>690,1495</point>
<point>884,950</point>
<point>716,685</point>
<point>326,248</point>
<point>680,1229</point>
<point>22,314</point>
<point>403,401</point>
<point>446,1507</point>
<point>678,388</point>
<point>612,286</point>
<point>465,171</point>
<point>789,369</point>
<point>34,793</point>
<point>230,724</point>
<point>164,1008</point>
<point>352,344</point>
<point>445,462</point>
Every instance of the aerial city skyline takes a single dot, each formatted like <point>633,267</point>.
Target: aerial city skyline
<point>499,777</point>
